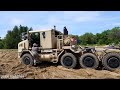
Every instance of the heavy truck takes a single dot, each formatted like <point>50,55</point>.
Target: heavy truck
<point>58,47</point>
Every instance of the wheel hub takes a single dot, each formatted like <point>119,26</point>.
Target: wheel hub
<point>88,61</point>
<point>68,61</point>
<point>113,62</point>
<point>27,60</point>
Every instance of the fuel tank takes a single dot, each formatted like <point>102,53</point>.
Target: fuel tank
<point>47,57</point>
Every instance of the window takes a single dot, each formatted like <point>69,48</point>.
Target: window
<point>57,33</point>
<point>35,38</point>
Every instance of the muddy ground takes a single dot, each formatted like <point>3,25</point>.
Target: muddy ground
<point>11,68</point>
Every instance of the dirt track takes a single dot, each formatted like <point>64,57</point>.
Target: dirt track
<point>11,68</point>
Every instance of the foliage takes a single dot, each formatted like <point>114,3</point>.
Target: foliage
<point>13,37</point>
<point>106,37</point>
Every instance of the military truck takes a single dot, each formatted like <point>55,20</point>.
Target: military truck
<point>109,57</point>
<point>56,47</point>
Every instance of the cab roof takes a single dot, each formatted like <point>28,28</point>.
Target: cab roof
<point>39,30</point>
<point>43,30</point>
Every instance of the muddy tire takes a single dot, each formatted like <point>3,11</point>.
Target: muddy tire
<point>68,60</point>
<point>89,60</point>
<point>27,59</point>
<point>111,61</point>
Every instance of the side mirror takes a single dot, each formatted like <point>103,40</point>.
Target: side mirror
<point>43,34</point>
<point>24,36</point>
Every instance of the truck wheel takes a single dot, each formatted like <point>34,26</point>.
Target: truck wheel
<point>111,61</point>
<point>68,60</point>
<point>27,59</point>
<point>89,60</point>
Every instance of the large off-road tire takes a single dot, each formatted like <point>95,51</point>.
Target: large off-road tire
<point>27,59</point>
<point>89,60</point>
<point>68,60</point>
<point>111,61</point>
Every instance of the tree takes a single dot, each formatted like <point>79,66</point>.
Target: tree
<point>103,38</point>
<point>115,35</point>
<point>1,43</point>
<point>13,37</point>
<point>88,38</point>
<point>109,36</point>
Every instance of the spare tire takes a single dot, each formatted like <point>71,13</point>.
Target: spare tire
<point>89,60</point>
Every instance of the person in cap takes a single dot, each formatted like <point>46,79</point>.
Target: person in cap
<point>35,49</point>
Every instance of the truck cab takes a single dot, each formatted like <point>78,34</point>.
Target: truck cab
<point>55,47</point>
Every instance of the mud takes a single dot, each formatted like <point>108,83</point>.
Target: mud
<point>12,68</point>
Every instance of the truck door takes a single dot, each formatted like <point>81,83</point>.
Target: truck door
<point>35,38</point>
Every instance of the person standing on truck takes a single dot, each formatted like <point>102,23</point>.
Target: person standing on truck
<point>65,31</point>
<point>73,40</point>
<point>35,49</point>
